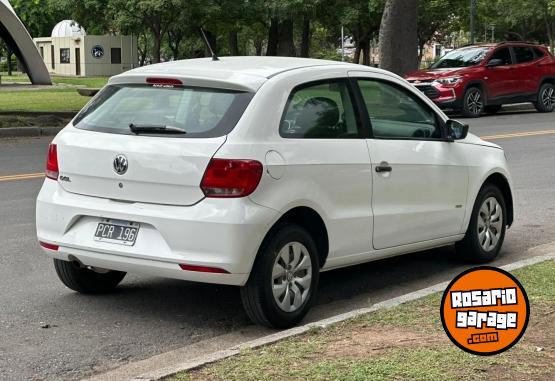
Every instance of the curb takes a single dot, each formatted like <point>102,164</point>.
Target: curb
<point>19,132</point>
<point>205,359</point>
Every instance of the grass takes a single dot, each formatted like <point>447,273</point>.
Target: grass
<point>95,82</point>
<point>342,352</point>
<point>62,97</point>
<point>47,100</point>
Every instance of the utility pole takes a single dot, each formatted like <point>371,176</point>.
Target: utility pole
<point>472,21</point>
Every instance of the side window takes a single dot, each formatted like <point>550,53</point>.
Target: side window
<point>503,54</point>
<point>523,54</point>
<point>539,53</point>
<point>320,111</point>
<point>395,113</point>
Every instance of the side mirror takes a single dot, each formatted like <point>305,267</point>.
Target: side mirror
<point>456,130</point>
<point>495,62</point>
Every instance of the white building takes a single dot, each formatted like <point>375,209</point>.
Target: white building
<point>70,51</point>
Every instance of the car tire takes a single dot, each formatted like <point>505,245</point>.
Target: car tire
<point>493,109</point>
<point>486,231</point>
<point>546,98</point>
<point>87,281</point>
<point>284,279</point>
<point>473,103</point>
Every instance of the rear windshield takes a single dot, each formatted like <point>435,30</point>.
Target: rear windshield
<point>201,112</point>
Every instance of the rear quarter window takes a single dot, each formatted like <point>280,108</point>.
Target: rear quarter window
<point>523,54</point>
<point>201,112</point>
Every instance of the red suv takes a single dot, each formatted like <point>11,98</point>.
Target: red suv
<point>482,78</point>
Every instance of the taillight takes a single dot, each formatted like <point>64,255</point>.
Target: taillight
<point>231,178</point>
<point>203,269</point>
<point>164,81</point>
<point>52,170</point>
<point>49,246</point>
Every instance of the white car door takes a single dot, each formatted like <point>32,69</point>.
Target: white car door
<point>420,179</point>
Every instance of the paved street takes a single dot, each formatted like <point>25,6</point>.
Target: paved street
<point>49,332</point>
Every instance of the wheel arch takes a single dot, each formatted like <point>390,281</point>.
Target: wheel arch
<point>479,84</point>
<point>501,182</point>
<point>547,79</point>
<point>310,220</point>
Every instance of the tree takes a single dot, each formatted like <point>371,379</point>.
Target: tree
<point>398,36</point>
<point>93,15</point>
<point>154,15</point>
<point>438,19</point>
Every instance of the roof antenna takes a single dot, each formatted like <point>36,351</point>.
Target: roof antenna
<point>214,56</point>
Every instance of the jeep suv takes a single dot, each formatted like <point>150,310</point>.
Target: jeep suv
<point>482,78</point>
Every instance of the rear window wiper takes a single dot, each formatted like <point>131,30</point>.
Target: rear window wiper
<point>155,129</point>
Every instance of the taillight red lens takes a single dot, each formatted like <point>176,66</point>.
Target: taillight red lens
<point>164,81</point>
<point>226,178</point>
<point>49,246</point>
<point>203,269</point>
<point>52,170</point>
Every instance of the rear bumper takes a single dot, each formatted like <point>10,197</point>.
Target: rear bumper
<point>217,233</point>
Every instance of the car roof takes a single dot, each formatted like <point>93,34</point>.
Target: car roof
<point>505,43</point>
<point>247,73</point>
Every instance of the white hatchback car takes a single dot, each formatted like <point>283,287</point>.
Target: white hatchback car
<point>261,172</point>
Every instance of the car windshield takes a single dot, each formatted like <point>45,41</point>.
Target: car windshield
<point>462,58</point>
<point>198,112</point>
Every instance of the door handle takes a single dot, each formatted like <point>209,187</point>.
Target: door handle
<point>383,167</point>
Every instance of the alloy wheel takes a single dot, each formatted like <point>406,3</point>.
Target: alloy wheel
<point>291,276</point>
<point>548,98</point>
<point>474,102</point>
<point>490,224</point>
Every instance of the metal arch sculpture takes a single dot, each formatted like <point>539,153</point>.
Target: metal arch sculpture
<point>14,34</point>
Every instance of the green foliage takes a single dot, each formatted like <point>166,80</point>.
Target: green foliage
<point>169,29</point>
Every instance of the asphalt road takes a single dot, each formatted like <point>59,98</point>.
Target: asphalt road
<point>48,332</point>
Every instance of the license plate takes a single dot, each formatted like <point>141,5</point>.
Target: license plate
<point>117,231</point>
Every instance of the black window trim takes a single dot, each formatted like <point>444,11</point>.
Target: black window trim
<point>439,120</point>
<point>362,131</point>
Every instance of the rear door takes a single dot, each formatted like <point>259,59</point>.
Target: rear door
<point>419,180</point>
<point>527,72</point>
<point>102,157</point>
<point>501,79</point>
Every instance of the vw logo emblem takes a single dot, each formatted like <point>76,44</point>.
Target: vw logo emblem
<point>120,164</point>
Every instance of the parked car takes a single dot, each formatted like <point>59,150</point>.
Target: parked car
<point>261,173</point>
<point>482,78</point>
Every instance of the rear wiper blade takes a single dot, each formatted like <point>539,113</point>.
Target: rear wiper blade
<point>155,129</point>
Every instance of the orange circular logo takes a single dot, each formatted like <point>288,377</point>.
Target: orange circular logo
<point>485,311</point>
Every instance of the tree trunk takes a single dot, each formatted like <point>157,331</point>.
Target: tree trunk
<point>258,45</point>
<point>365,47</point>
<point>273,36</point>
<point>156,42</point>
<point>356,58</point>
<point>420,52</point>
<point>550,26</point>
<point>286,46</point>
<point>233,43</point>
<point>305,38</point>
<point>398,36</point>
<point>9,62</point>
